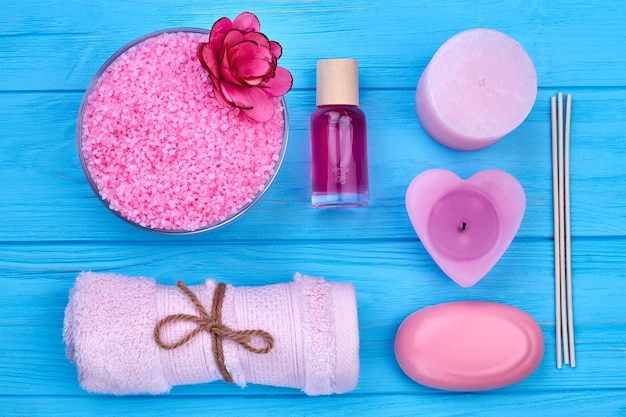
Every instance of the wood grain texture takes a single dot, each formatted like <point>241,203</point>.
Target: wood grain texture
<point>52,226</point>
<point>547,404</point>
<point>39,160</point>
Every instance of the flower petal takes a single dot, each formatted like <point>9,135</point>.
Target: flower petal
<point>276,49</point>
<point>226,72</point>
<point>219,96</point>
<point>259,38</point>
<point>209,59</point>
<point>238,95</point>
<point>280,84</point>
<point>244,51</point>
<point>247,60</point>
<point>223,66</point>
<point>219,31</point>
<point>247,22</point>
<point>253,101</point>
<point>263,108</point>
<point>232,38</point>
<point>200,54</point>
<point>254,71</point>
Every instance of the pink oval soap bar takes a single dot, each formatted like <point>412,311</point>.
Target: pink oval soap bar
<point>469,346</point>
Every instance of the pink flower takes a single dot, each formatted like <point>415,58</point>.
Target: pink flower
<point>243,66</point>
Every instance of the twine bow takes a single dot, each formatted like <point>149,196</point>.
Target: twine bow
<point>212,324</point>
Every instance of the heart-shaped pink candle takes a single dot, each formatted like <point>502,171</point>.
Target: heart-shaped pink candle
<point>465,225</point>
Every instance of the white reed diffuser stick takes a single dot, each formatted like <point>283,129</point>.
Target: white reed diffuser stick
<point>557,248</point>
<point>568,240</point>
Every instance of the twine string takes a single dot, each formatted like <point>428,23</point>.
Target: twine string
<point>212,324</point>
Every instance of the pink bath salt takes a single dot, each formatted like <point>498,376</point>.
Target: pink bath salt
<point>161,151</point>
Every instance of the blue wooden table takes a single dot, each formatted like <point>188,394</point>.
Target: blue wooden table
<point>52,226</point>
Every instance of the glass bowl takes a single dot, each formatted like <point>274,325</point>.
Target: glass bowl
<point>124,151</point>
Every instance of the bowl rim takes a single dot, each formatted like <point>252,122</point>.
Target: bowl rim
<point>175,232</point>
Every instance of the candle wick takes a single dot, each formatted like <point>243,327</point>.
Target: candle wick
<point>463,226</point>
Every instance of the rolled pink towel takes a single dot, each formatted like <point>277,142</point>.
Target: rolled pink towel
<point>110,321</point>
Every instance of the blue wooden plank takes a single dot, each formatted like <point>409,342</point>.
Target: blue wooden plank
<point>571,45</point>
<point>551,403</point>
<point>45,195</point>
<point>392,280</point>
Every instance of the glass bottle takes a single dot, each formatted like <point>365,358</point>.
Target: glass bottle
<point>339,170</point>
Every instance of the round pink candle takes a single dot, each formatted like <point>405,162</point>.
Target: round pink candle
<point>479,86</point>
<point>465,225</point>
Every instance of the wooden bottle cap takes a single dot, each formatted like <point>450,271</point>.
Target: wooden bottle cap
<point>337,82</point>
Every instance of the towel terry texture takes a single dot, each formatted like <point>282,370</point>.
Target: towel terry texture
<point>109,335</point>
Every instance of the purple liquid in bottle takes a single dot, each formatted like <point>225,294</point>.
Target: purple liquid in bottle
<point>339,170</point>
<point>338,137</point>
